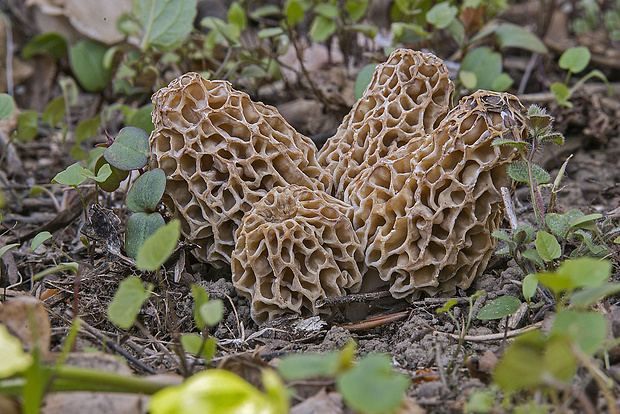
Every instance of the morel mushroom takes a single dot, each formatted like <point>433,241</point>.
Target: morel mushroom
<point>222,153</point>
<point>407,98</point>
<point>425,213</point>
<point>295,246</point>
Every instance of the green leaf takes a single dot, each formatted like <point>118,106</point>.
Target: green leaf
<point>128,300</point>
<point>73,175</point>
<point>294,12</point>
<point>367,30</point>
<point>480,401</point>
<point>7,247</point>
<point>363,79</point>
<point>498,308</point>
<point>104,173</point>
<point>356,9</point>
<point>372,386</point>
<point>140,227</point>
<point>87,128</point>
<point>147,191</point>
<point>583,299</point>
<point>141,118</point>
<point>236,16</point>
<point>329,11</point>
<point>586,271</point>
<point>561,93</point>
<point>588,329</point>
<point>201,297</point>
<point>575,59</point>
<point>27,127</point>
<point>269,32</point>
<point>523,234</point>
<point>193,343</point>
<point>211,312</point>
<point>531,254</point>
<point>485,64</point>
<point>531,359</point>
<point>217,391</point>
<point>130,149</point>
<point>51,43</point>
<point>39,239</point>
<point>530,284</point>
<point>502,82</point>
<point>302,366</point>
<point>540,175</point>
<point>554,137</point>
<point>585,221</point>
<point>512,35</point>
<point>86,60</point>
<point>158,247</point>
<point>617,240</point>
<point>456,30</point>
<point>557,224</point>
<point>114,180</point>
<point>321,28</point>
<point>547,246</point>
<point>447,306</point>
<point>61,267</point>
<point>165,23</point>
<point>468,79</point>
<point>7,106</point>
<point>14,360</point>
<point>501,235</point>
<point>441,15</point>
<point>518,172</point>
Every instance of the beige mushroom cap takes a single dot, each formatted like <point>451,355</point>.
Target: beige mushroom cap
<point>406,99</point>
<point>296,246</point>
<point>222,153</point>
<point>425,213</point>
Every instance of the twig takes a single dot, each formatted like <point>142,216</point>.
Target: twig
<point>494,337</point>
<point>510,210</point>
<point>377,321</point>
<point>359,297</point>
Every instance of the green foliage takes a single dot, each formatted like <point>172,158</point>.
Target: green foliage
<point>75,174</point>
<point>164,24</point>
<point>130,150</point>
<point>14,360</point>
<point>441,15</point>
<point>140,227</point>
<point>114,180</point>
<point>363,79</point>
<point>7,247</point>
<point>201,347</point>
<point>510,35</point>
<point>7,106</point>
<point>217,391</point>
<point>481,68</point>
<point>39,239</point>
<point>146,191</point>
<point>27,125</point>
<point>86,59</point>
<point>498,308</point>
<point>128,300</point>
<point>158,247</point>
<point>49,43</point>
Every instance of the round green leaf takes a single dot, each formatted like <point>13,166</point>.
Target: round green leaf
<point>498,308</point>
<point>130,149</point>
<point>469,79</point>
<point>114,180</point>
<point>560,92</point>
<point>39,239</point>
<point>146,191</point>
<point>557,224</point>
<point>294,12</point>
<point>502,82</point>
<point>193,343</point>
<point>211,312</point>
<point>128,300</point>
<point>86,59</point>
<point>158,247</point>
<point>51,43</point>
<point>321,28</point>
<point>73,175</point>
<point>547,246</point>
<point>139,227</point>
<point>141,118</point>
<point>586,271</point>
<point>575,59</point>
<point>305,366</point>
<point>27,127</point>
<point>512,35</point>
<point>363,79</point>
<point>485,64</point>
<point>588,329</point>
<point>7,106</point>
<point>372,386</point>
<point>441,15</point>
<point>165,24</point>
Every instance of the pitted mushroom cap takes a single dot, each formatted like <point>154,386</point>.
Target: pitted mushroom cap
<point>406,99</point>
<point>425,213</point>
<point>295,246</point>
<point>222,153</point>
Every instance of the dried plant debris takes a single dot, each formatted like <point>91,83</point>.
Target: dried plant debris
<point>426,212</point>
<point>222,153</point>
<point>407,98</point>
<point>294,247</point>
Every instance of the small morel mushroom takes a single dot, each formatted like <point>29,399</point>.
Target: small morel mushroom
<point>295,246</point>
<point>222,153</point>
<point>425,213</point>
<point>406,99</point>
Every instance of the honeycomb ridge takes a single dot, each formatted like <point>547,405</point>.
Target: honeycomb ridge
<point>425,212</point>
<point>222,153</point>
<point>406,99</point>
<point>294,247</point>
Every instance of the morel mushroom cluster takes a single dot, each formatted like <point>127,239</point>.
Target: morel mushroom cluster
<point>406,194</point>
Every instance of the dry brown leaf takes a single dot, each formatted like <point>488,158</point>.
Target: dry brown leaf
<point>26,318</point>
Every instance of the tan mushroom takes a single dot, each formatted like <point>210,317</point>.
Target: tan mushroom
<point>222,153</point>
<point>406,99</point>
<point>425,213</point>
<point>295,246</point>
